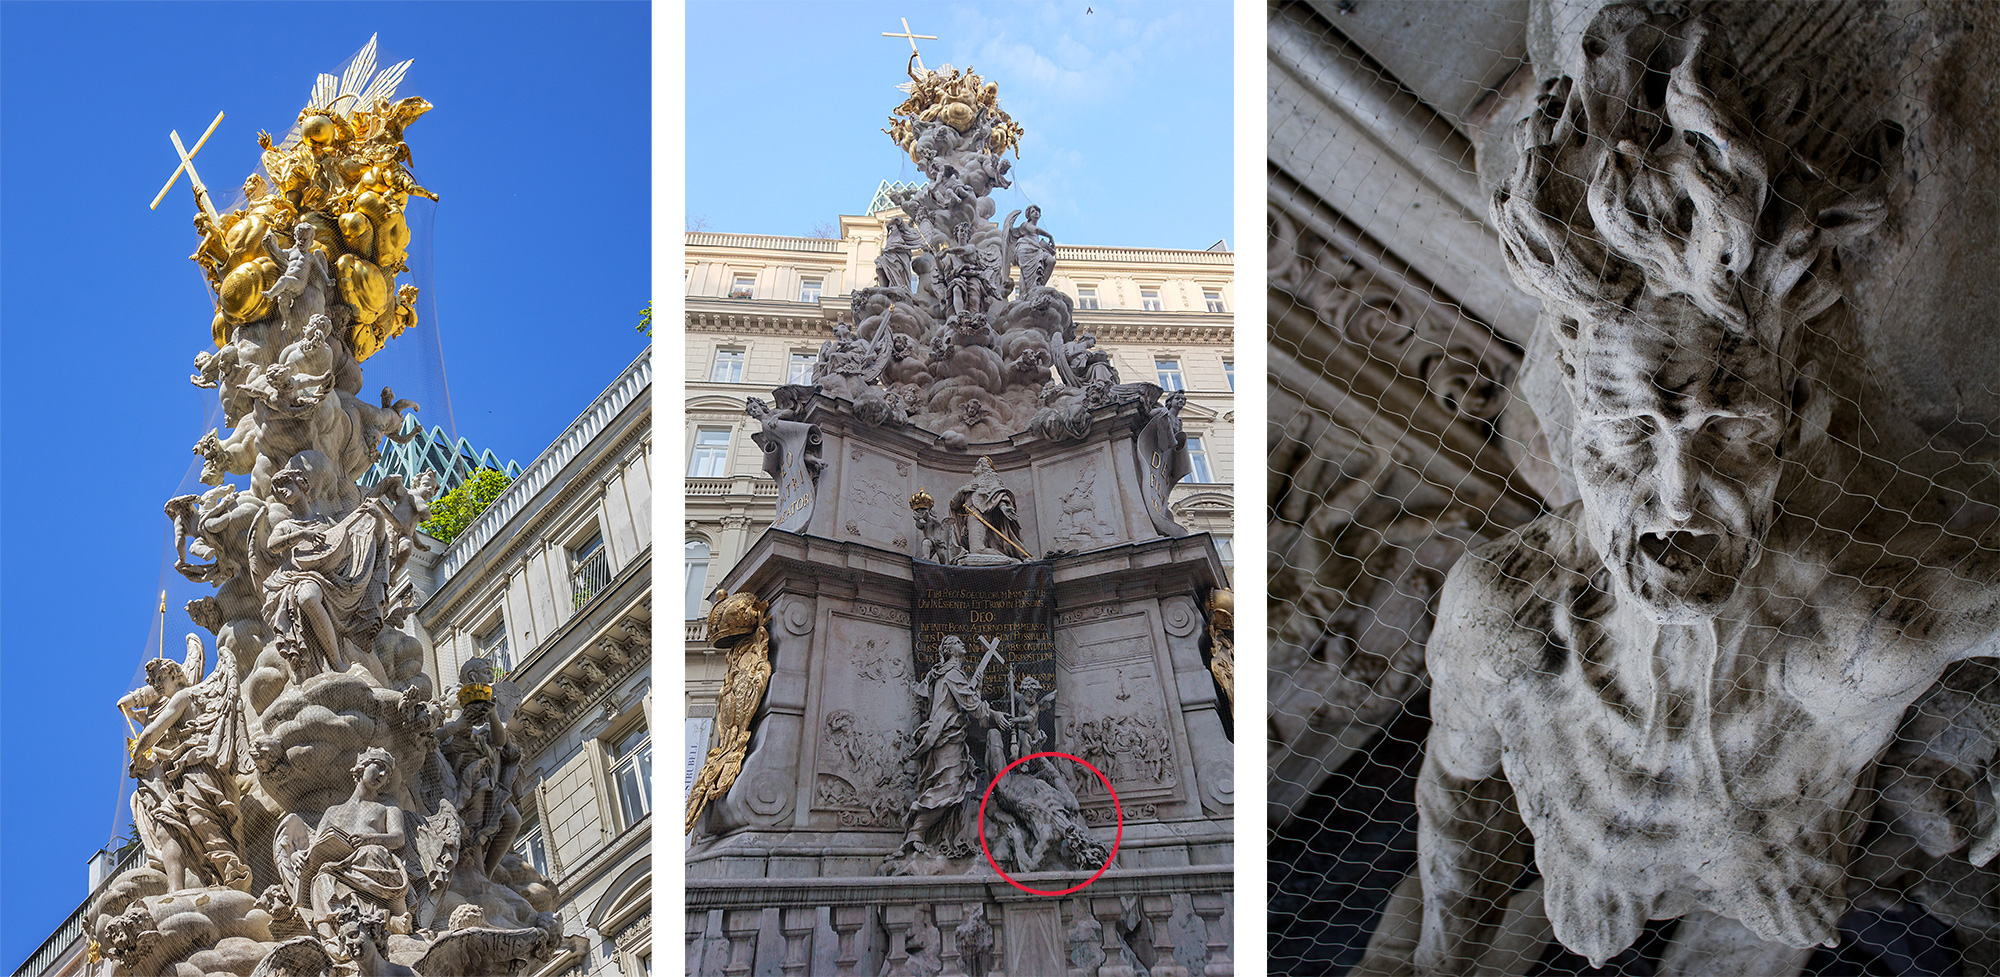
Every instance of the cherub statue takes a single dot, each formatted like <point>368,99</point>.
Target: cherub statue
<point>363,937</point>
<point>301,291</point>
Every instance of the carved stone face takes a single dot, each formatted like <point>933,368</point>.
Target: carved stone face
<point>355,940</point>
<point>1677,456</point>
<point>374,778</point>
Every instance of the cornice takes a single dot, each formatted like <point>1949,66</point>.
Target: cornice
<point>446,600</point>
<point>766,319</point>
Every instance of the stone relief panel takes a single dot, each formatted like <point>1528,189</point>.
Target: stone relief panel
<point>862,738</point>
<point>874,501</point>
<point>1079,503</point>
<point>1114,712</point>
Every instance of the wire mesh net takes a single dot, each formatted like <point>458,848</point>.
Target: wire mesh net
<point>1635,517</point>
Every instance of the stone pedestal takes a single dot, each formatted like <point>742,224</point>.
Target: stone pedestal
<point>829,778</point>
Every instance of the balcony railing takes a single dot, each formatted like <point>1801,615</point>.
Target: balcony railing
<point>698,630</point>
<point>589,578</point>
<point>73,928</point>
<point>870,926</point>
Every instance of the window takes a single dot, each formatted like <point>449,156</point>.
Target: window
<point>492,644</point>
<point>711,453</point>
<point>632,774</point>
<point>1149,300</point>
<point>1229,372</point>
<point>1170,374</point>
<point>743,286</point>
<point>1226,549</point>
<point>532,849</point>
<point>801,368</point>
<point>1213,296</point>
<point>809,289</point>
<point>1086,296</point>
<point>697,563</point>
<point>589,570</point>
<point>1198,459</point>
<point>728,366</point>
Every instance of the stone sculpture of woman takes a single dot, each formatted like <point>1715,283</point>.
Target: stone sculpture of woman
<point>354,857</point>
<point>1032,249</point>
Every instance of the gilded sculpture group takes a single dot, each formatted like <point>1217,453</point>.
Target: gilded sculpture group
<point>313,802</point>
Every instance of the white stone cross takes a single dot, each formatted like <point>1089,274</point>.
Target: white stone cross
<point>913,38</point>
<point>187,164</point>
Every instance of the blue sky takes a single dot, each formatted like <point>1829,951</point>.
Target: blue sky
<point>1127,110</point>
<point>539,262</point>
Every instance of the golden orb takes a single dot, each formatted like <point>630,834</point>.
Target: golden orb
<point>317,129</point>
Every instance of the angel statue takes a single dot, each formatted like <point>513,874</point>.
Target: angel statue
<point>185,761</point>
<point>1032,249</point>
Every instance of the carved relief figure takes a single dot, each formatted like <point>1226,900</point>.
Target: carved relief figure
<point>1079,522</point>
<point>860,772</point>
<point>1703,656</point>
<point>872,504</point>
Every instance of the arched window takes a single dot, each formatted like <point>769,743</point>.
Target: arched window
<point>697,582</point>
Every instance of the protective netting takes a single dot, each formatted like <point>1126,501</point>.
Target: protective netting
<point>1635,499</point>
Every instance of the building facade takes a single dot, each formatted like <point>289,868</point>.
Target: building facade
<point>759,306</point>
<point>552,583</point>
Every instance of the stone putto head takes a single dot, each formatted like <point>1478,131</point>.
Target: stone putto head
<point>1682,241</point>
<point>164,672</point>
<point>363,932</point>
<point>374,767</point>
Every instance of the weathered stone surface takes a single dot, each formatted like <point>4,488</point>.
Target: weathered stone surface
<point>1701,659</point>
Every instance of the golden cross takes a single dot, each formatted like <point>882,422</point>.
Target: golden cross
<point>913,38</point>
<point>187,164</point>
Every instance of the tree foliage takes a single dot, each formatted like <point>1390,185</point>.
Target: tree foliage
<point>458,507</point>
<point>646,320</point>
